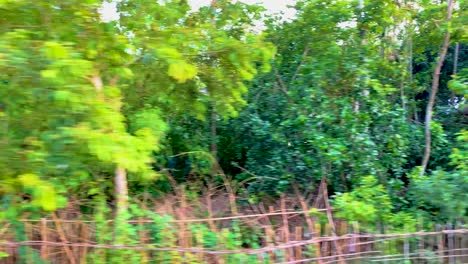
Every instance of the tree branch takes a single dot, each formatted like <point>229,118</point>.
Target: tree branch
<point>304,54</point>
<point>434,89</point>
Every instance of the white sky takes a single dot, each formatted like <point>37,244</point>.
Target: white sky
<point>109,10</point>
<point>273,6</point>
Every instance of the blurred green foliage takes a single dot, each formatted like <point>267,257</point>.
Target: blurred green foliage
<point>338,92</point>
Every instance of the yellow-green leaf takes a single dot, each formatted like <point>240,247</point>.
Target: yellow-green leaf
<point>169,53</point>
<point>3,254</point>
<point>182,71</point>
<point>55,51</point>
<point>46,197</point>
<point>29,180</point>
<point>49,74</point>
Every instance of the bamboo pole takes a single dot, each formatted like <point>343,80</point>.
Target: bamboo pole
<point>440,242</point>
<point>465,247</point>
<point>309,221</point>
<point>450,240</point>
<point>285,229</point>
<point>143,238</point>
<point>298,237</point>
<point>262,209</point>
<point>238,251</point>
<point>199,241</point>
<point>211,223</point>
<point>271,213</point>
<point>84,250</point>
<point>406,249</point>
<point>44,253</point>
<point>28,235</point>
<point>270,238</point>
<point>68,251</point>
<point>272,231</point>
<point>209,205</point>
<point>332,224</point>
<point>183,235</point>
<point>458,243</point>
<point>353,248</point>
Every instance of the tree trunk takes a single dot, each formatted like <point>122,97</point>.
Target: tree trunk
<point>214,145</point>
<point>409,68</point>
<point>363,36</point>
<point>434,89</point>
<point>455,70</point>
<point>120,177</point>
<point>455,58</point>
<point>121,192</point>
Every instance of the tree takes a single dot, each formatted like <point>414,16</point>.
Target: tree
<point>301,122</point>
<point>75,88</point>
<point>434,88</point>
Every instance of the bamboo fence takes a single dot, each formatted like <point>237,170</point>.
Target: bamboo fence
<point>285,240</point>
<point>288,234</point>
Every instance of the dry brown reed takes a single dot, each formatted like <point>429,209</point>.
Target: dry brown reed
<point>288,236</point>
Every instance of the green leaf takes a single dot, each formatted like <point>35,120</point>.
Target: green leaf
<point>93,191</point>
<point>45,197</point>
<point>29,180</point>
<point>61,95</point>
<point>169,53</point>
<point>182,71</point>
<point>55,50</point>
<point>3,254</point>
<point>49,74</point>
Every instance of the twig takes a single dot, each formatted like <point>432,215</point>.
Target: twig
<point>281,83</point>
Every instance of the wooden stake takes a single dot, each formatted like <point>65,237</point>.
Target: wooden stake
<point>263,211</point>
<point>271,209</point>
<point>28,234</point>
<point>270,238</point>
<point>332,224</point>
<point>211,223</point>
<point>298,237</point>
<point>199,240</point>
<point>183,232</point>
<point>440,247</point>
<point>287,252</point>
<point>68,252</point>
<point>44,253</point>
<point>142,235</point>
<point>84,250</point>
<point>309,221</point>
<point>450,238</point>
<point>209,206</point>
<point>406,249</point>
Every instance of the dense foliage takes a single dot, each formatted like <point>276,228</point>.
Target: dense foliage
<point>166,94</point>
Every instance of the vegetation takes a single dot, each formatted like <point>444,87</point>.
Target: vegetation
<point>366,96</point>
